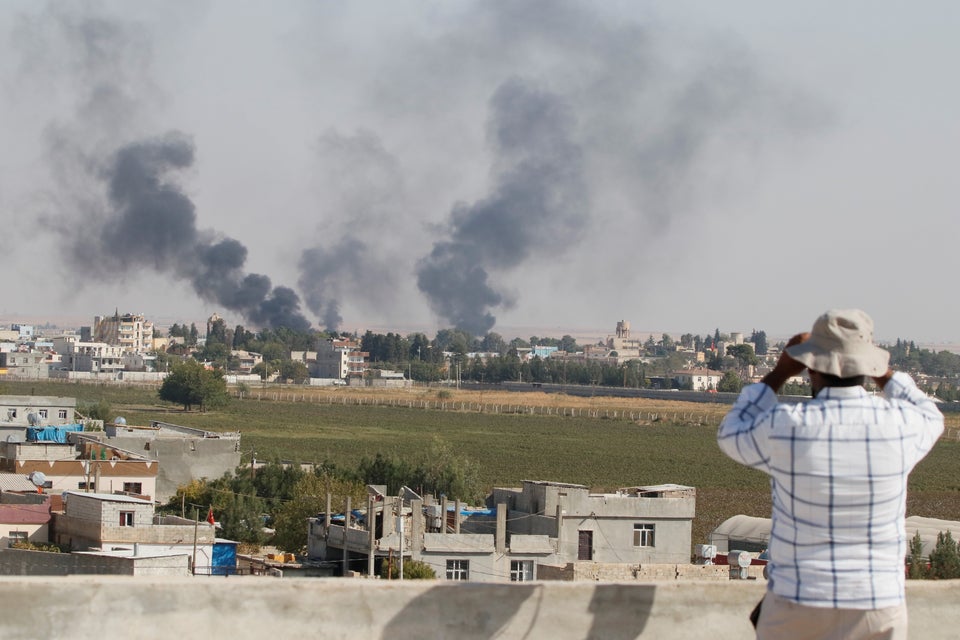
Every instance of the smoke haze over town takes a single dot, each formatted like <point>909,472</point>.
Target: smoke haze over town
<point>482,165</point>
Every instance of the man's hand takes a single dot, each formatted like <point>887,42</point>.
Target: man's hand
<point>881,381</point>
<point>786,367</point>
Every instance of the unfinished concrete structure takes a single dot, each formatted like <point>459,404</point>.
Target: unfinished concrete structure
<point>635,525</point>
<point>536,531</point>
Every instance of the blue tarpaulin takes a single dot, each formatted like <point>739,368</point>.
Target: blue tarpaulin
<point>52,434</point>
<point>224,558</point>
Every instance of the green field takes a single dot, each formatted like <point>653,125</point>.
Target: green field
<point>603,454</point>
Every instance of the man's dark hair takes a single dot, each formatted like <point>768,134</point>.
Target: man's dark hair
<point>837,381</point>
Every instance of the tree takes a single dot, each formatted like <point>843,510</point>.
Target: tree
<point>218,333</point>
<point>730,382</point>
<point>759,340</point>
<point>309,499</point>
<point>916,567</point>
<point>189,383</point>
<point>99,410</point>
<point>945,558</point>
<point>493,342</point>
<point>193,336</point>
<point>743,353</point>
<point>294,370</point>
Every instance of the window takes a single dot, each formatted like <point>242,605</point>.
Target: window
<point>643,535</point>
<point>62,414</point>
<point>126,518</point>
<point>458,569</point>
<point>133,487</point>
<point>92,486</point>
<point>43,413</point>
<point>16,536</point>
<point>521,570</point>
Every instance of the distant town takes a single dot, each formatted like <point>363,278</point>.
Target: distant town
<point>131,347</point>
<point>93,494</point>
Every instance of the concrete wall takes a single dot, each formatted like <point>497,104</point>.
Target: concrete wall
<point>613,540</point>
<point>20,562</point>
<point>104,607</point>
<point>183,459</point>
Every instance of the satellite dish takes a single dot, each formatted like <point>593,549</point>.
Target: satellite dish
<point>38,479</point>
<point>120,420</point>
<point>33,419</point>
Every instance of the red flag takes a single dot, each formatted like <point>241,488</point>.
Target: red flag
<point>210,516</point>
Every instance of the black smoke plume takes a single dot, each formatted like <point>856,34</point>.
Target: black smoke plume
<point>538,203</point>
<point>151,223</point>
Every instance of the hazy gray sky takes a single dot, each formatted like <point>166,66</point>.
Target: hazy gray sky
<point>547,165</point>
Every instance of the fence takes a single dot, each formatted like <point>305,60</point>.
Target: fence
<point>634,415</point>
<point>696,418</point>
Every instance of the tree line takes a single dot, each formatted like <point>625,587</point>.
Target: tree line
<point>281,497</point>
<point>445,356</point>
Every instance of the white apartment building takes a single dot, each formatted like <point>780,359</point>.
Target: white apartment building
<point>95,357</point>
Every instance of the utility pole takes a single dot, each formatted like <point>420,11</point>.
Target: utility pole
<point>400,528</point>
<point>196,526</point>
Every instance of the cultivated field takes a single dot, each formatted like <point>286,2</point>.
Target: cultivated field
<point>604,443</point>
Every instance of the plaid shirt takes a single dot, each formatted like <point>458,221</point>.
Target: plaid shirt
<point>838,467</point>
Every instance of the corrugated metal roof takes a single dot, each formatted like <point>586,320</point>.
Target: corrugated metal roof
<point>109,497</point>
<point>15,482</point>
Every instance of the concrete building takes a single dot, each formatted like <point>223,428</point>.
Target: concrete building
<point>20,363</point>
<point>246,360</point>
<point>24,523</point>
<point>641,525</point>
<point>697,379</point>
<point>183,453</point>
<point>83,464</point>
<point>24,331</point>
<point>50,410</point>
<point>133,333</point>
<point>127,526</point>
<point>541,530</point>
<point>93,357</point>
<point>340,359</point>
<point>627,347</point>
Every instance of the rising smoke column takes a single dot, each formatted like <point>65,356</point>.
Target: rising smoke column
<point>151,223</point>
<point>538,203</point>
<point>363,191</point>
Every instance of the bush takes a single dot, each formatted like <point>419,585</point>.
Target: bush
<point>99,410</point>
<point>49,548</point>
<point>412,570</point>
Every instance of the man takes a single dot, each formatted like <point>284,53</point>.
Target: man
<point>838,467</point>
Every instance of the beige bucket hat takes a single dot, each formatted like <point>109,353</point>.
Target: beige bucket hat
<point>841,344</point>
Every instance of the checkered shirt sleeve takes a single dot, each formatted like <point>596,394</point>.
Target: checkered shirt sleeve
<point>838,466</point>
